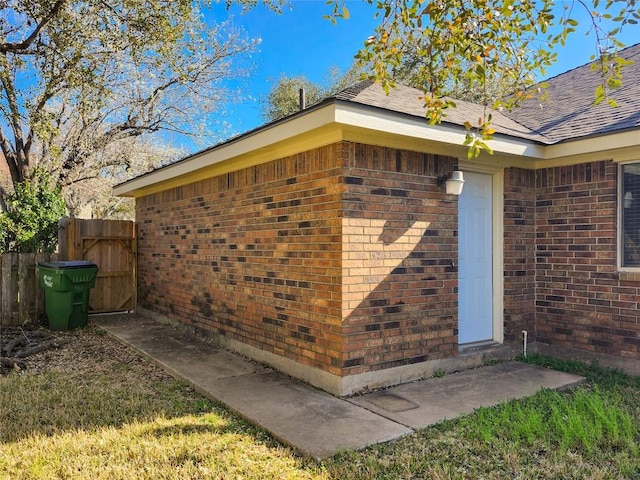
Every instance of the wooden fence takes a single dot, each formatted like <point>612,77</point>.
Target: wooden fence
<point>110,244</point>
<point>21,297</point>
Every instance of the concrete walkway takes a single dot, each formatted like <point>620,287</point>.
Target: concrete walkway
<point>313,421</point>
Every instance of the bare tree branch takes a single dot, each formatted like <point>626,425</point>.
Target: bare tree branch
<point>78,84</point>
<point>26,43</point>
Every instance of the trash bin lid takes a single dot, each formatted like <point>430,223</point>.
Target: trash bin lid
<point>68,265</point>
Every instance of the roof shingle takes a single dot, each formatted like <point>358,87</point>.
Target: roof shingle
<point>408,100</point>
<point>568,113</point>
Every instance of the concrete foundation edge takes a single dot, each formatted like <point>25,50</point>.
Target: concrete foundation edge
<point>353,384</point>
<point>627,365</point>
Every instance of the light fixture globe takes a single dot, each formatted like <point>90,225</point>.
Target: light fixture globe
<point>454,184</point>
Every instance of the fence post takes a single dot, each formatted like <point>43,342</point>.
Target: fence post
<point>27,286</point>
<point>63,235</point>
<point>9,274</point>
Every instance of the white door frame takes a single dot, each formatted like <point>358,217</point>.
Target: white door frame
<point>497,176</point>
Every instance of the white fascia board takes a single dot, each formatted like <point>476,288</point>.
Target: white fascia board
<point>244,144</point>
<point>595,145</point>
<point>345,116</point>
<point>399,124</point>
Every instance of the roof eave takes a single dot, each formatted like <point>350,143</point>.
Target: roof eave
<point>618,146</point>
<point>334,120</point>
<point>305,121</point>
<point>385,121</point>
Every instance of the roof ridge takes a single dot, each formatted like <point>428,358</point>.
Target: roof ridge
<point>352,90</point>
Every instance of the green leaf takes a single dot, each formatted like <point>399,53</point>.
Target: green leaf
<point>623,61</point>
<point>30,223</point>
<point>614,83</point>
<point>599,95</point>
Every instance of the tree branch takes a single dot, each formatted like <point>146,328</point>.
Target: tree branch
<point>10,158</point>
<point>15,118</point>
<point>14,47</point>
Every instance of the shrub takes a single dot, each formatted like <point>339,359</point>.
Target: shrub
<point>30,223</point>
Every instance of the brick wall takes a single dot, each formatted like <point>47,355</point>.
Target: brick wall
<point>519,254</point>
<point>400,239</point>
<point>341,258</point>
<point>254,255</point>
<point>582,301</point>
<point>338,258</point>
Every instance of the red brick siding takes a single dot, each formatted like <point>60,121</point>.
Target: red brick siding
<point>254,255</point>
<point>257,255</point>
<point>519,254</point>
<point>409,315</point>
<point>581,300</point>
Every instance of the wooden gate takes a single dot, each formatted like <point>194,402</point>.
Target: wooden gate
<point>110,244</point>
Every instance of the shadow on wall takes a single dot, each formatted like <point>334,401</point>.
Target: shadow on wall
<point>374,249</point>
<point>401,291</point>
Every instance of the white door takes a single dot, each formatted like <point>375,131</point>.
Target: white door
<point>475,259</point>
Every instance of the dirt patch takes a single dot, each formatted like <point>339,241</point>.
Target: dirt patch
<point>74,351</point>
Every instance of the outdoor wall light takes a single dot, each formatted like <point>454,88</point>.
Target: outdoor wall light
<point>452,183</point>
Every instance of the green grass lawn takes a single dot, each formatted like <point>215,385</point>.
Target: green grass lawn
<point>118,417</point>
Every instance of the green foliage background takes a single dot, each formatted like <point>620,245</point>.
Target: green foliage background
<point>30,223</point>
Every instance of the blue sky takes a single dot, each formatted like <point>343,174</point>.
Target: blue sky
<point>297,42</point>
<point>301,42</point>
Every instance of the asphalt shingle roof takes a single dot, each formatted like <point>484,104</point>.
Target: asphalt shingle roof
<point>568,113</point>
<point>408,100</point>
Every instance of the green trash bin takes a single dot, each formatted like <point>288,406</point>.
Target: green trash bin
<point>66,292</point>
